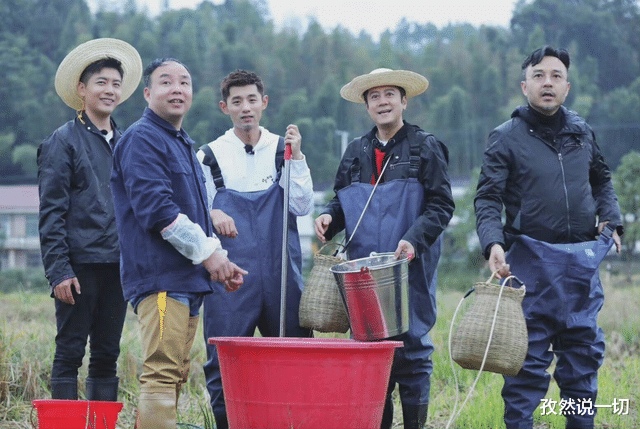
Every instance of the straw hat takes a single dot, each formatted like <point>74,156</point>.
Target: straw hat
<point>413,83</point>
<point>70,69</point>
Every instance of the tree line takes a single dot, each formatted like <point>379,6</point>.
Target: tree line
<point>474,72</point>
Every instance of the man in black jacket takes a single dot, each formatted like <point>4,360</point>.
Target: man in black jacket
<point>545,168</point>
<point>409,211</point>
<point>78,237</point>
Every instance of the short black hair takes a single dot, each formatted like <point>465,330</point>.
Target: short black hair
<point>547,51</point>
<point>240,78</point>
<point>403,93</point>
<point>153,65</point>
<point>97,66</point>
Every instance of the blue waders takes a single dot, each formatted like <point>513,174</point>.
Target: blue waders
<point>257,249</point>
<point>393,209</point>
<point>564,296</point>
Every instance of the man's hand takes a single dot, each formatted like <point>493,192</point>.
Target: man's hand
<point>224,271</point>
<point>498,263</point>
<point>293,137</point>
<point>322,223</point>
<point>405,248</point>
<point>615,236</point>
<point>62,291</point>
<point>223,223</point>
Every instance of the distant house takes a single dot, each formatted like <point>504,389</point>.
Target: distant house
<point>19,240</point>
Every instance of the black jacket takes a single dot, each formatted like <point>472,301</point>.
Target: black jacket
<point>434,157</point>
<point>77,222</point>
<point>552,190</point>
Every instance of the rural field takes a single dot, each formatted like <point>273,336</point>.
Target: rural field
<point>26,348</point>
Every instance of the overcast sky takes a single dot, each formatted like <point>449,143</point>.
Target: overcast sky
<point>373,16</point>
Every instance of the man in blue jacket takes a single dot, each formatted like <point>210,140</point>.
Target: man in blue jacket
<point>544,168</point>
<point>407,215</point>
<point>78,237</point>
<point>169,251</point>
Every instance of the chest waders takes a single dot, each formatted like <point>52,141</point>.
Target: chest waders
<point>564,296</point>
<point>393,208</point>
<point>258,218</point>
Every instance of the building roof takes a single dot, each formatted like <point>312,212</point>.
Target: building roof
<point>19,198</point>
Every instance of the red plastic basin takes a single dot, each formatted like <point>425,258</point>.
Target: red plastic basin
<point>70,414</point>
<point>304,383</point>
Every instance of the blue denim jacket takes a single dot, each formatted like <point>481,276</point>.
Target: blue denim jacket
<point>156,175</point>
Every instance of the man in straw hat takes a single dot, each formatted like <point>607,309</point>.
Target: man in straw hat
<point>170,254</point>
<point>408,212</point>
<point>78,236</point>
<point>543,169</point>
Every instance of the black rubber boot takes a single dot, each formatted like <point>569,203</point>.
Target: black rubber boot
<point>414,416</point>
<point>102,389</point>
<point>221,420</point>
<point>387,413</point>
<point>64,388</point>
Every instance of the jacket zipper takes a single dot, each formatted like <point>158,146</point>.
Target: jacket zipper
<point>564,184</point>
<point>566,194</point>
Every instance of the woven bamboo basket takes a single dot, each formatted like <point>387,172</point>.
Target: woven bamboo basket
<point>509,341</point>
<point>321,306</point>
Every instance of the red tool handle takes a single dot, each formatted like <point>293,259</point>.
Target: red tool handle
<point>287,152</point>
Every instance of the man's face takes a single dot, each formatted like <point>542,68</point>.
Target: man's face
<point>385,105</point>
<point>170,93</point>
<point>102,92</point>
<point>245,106</point>
<point>546,85</point>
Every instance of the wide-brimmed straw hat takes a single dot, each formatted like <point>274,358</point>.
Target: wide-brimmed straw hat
<point>413,83</point>
<point>71,68</point>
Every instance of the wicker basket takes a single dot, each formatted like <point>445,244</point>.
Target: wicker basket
<point>509,342</point>
<point>321,306</point>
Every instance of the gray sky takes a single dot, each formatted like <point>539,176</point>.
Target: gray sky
<point>373,16</point>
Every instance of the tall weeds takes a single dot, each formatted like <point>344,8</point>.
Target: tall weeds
<point>27,331</point>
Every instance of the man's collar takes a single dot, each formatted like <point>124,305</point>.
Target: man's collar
<point>86,122</point>
<point>400,134</point>
<point>163,123</point>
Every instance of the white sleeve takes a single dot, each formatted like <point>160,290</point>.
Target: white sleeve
<point>301,201</point>
<point>189,239</point>
<point>208,182</point>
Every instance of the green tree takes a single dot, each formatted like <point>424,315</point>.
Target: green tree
<point>604,29</point>
<point>627,184</point>
<point>24,155</point>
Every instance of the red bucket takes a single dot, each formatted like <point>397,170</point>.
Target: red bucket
<point>304,383</point>
<point>70,414</point>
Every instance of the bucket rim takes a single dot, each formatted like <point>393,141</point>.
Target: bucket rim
<point>77,401</point>
<point>340,267</point>
<point>303,343</point>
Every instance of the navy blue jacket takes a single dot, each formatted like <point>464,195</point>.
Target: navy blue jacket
<point>550,192</point>
<point>156,176</point>
<point>76,219</point>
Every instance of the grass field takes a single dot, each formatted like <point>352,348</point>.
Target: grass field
<point>27,330</point>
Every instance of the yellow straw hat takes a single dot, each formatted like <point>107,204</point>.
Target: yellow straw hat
<point>71,68</point>
<point>413,83</point>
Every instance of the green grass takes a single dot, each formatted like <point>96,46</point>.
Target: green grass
<point>27,330</point>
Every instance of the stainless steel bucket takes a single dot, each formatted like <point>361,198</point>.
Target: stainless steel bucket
<point>375,291</point>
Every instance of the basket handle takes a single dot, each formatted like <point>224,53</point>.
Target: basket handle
<point>333,243</point>
<point>509,279</point>
<point>512,278</point>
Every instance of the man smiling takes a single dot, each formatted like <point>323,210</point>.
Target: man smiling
<point>413,205</point>
<point>169,254</point>
<point>246,197</point>
<point>78,236</point>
